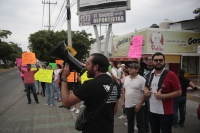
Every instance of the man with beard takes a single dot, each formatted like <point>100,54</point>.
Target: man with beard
<point>161,99</point>
<point>93,92</point>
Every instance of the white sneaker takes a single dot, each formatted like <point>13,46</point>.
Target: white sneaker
<point>73,109</point>
<point>77,111</point>
<point>51,105</point>
<point>122,117</point>
<point>125,124</point>
<point>82,106</point>
<point>135,128</point>
<point>47,104</point>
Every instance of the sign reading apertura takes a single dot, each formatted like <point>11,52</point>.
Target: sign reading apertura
<point>107,17</point>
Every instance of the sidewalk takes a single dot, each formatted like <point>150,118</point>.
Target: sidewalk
<point>5,70</point>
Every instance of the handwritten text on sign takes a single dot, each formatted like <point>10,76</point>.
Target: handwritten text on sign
<point>135,49</point>
<point>46,76</point>
<point>28,58</point>
<point>18,61</point>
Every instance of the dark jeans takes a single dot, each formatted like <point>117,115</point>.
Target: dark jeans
<point>43,88</point>
<point>160,122</point>
<point>179,103</point>
<point>32,88</point>
<point>146,116</point>
<point>130,112</point>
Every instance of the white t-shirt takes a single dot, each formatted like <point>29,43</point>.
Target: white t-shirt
<point>56,72</point>
<point>133,90</point>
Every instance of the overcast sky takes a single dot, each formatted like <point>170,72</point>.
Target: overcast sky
<point>25,17</point>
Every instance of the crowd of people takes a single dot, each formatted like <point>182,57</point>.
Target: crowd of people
<point>151,95</point>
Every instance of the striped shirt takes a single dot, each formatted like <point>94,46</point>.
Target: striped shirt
<point>133,90</point>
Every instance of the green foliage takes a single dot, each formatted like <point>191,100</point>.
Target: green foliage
<point>197,11</point>
<point>5,33</point>
<point>42,43</point>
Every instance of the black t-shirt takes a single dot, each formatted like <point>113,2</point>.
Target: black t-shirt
<point>93,92</point>
<point>184,84</point>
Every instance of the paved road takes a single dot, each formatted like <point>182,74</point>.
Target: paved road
<point>16,116</point>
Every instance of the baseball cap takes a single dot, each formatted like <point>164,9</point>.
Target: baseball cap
<point>123,65</point>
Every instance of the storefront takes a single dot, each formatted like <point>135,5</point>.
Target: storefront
<point>179,47</point>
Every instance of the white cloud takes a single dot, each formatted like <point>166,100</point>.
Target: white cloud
<point>24,17</point>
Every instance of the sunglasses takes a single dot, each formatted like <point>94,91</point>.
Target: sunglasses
<point>156,60</point>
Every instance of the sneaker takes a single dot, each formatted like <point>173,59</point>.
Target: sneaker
<point>61,106</point>
<point>77,111</point>
<point>37,102</point>
<point>47,104</point>
<point>126,119</point>
<point>82,106</point>
<point>51,105</point>
<point>181,125</point>
<point>73,109</point>
<point>29,102</point>
<point>58,100</point>
<point>135,128</point>
<point>122,117</point>
<point>125,124</point>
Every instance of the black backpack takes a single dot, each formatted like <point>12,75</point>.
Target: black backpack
<point>150,78</point>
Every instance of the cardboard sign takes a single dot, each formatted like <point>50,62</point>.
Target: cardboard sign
<point>59,62</point>
<point>37,75</point>
<point>18,61</point>
<point>72,77</point>
<point>28,58</point>
<point>46,76</point>
<point>84,77</point>
<point>135,49</point>
<point>72,51</point>
<point>24,68</point>
<point>53,65</point>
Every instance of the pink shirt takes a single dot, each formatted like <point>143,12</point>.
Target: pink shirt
<point>29,77</point>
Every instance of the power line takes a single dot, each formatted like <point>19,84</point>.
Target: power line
<point>43,15</point>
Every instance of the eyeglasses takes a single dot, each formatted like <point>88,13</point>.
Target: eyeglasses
<point>160,60</point>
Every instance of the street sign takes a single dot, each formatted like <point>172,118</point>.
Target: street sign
<point>106,17</point>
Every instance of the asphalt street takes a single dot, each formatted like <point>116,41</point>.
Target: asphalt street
<point>16,116</point>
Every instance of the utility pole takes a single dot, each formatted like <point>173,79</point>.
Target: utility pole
<point>69,37</point>
<point>49,26</point>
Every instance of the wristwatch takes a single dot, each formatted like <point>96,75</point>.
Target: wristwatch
<point>64,79</point>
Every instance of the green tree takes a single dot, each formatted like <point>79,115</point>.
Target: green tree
<point>42,43</point>
<point>5,33</point>
<point>5,51</point>
<point>197,11</point>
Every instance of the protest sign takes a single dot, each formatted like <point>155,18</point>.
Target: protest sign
<point>28,58</point>
<point>59,62</point>
<point>37,75</point>
<point>135,49</point>
<point>53,65</point>
<point>84,77</point>
<point>18,61</point>
<point>24,68</point>
<point>72,77</point>
<point>46,76</point>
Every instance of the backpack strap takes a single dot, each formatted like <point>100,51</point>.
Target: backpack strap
<point>162,77</point>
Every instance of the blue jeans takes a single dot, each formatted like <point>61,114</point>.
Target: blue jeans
<point>39,88</point>
<point>146,116</point>
<point>32,88</point>
<point>160,122</point>
<point>179,103</point>
<point>50,94</point>
<point>56,89</point>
